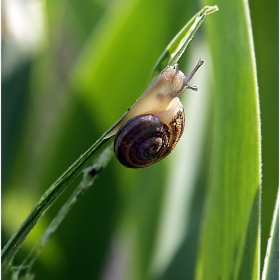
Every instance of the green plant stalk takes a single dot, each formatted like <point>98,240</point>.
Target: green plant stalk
<point>231,219</point>
<point>174,50</point>
<point>91,156</point>
<point>97,156</point>
<point>90,175</point>
<point>178,45</point>
<point>271,261</point>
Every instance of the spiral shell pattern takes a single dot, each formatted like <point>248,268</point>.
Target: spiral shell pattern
<point>144,140</point>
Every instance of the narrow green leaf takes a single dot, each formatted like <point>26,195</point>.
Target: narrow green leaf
<point>173,51</point>
<point>178,45</point>
<point>230,237</point>
<point>96,156</point>
<point>271,261</point>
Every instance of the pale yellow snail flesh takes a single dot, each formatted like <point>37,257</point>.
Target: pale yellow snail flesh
<point>154,124</point>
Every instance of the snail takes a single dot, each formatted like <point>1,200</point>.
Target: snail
<point>152,127</point>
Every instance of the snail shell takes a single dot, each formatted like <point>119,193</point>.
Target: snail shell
<point>144,139</point>
<point>155,123</point>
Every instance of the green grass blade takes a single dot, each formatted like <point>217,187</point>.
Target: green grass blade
<point>230,237</point>
<point>271,261</point>
<point>96,156</point>
<point>178,45</point>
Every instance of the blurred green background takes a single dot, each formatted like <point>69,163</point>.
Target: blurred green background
<point>70,69</point>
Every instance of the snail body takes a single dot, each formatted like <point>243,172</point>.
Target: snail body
<point>152,127</point>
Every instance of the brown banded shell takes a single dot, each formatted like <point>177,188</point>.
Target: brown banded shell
<point>144,140</point>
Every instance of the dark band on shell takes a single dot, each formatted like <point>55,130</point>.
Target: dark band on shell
<point>144,140</point>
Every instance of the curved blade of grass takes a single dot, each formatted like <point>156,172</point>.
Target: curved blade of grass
<point>173,51</point>
<point>178,45</point>
<point>90,175</point>
<point>97,156</point>
<point>230,238</point>
<point>271,261</point>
